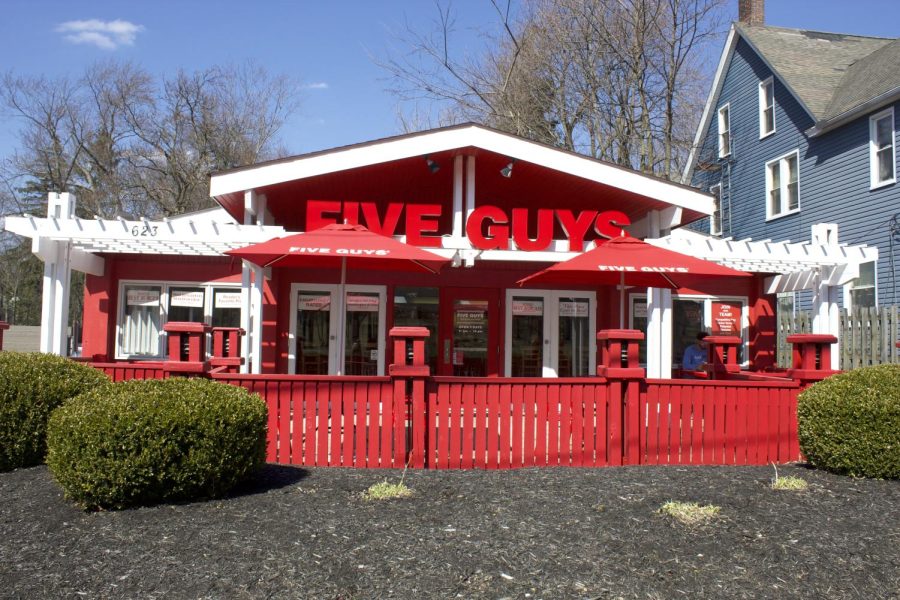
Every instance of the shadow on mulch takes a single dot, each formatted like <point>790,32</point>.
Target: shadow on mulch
<point>267,479</point>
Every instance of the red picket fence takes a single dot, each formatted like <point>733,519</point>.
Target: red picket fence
<point>715,422</point>
<point>616,418</point>
<point>328,421</point>
<point>124,371</point>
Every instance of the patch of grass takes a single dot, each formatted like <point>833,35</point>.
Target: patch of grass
<point>385,490</point>
<point>789,483</point>
<point>689,513</point>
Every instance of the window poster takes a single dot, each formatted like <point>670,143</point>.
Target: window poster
<point>314,302</point>
<point>186,298</point>
<point>139,297</point>
<point>228,300</point>
<point>362,303</point>
<point>573,308</point>
<point>726,318</point>
<point>527,308</point>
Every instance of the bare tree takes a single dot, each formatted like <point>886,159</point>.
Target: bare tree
<point>128,144</point>
<point>621,80</point>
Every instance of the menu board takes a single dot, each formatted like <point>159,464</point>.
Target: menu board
<point>726,318</point>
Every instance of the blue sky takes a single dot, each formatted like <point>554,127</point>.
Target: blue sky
<point>328,46</point>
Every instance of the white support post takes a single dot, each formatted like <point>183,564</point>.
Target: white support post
<point>458,216</point>
<point>659,333</point>
<point>826,315</point>
<point>470,186</point>
<point>57,280</point>
<point>250,207</point>
<point>256,313</point>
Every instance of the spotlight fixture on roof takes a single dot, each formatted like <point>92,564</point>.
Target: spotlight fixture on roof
<point>432,165</point>
<point>507,170</point>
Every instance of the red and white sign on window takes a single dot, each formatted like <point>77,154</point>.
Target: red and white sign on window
<point>527,308</point>
<point>726,318</point>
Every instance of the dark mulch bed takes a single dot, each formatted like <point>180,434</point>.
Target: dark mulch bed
<point>534,533</point>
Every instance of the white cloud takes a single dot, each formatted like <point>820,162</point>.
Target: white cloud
<point>107,35</point>
<point>319,85</point>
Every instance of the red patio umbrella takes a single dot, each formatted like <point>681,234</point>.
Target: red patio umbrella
<point>630,261</point>
<point>341,245</point>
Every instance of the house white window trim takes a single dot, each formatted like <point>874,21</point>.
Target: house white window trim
<point>873,150</point>
<point>850,286</point>
<point>724,127</point>
<point>763,85</point>
<point>209,288</point>
<point>718,203</point>
<point>551,334</point>
<point>333,347</point>
<point>707,300</point>
<point>782,162</point>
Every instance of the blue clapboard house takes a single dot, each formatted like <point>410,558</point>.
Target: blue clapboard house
<point>799,129</point>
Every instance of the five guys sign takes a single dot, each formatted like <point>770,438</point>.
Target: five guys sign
<point>487,227</point>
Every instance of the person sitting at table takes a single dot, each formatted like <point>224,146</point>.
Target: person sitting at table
<point>695,355</point>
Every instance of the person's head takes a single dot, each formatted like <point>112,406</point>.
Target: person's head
<point>701,337</point>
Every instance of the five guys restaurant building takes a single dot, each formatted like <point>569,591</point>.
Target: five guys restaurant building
<point>497,206</point>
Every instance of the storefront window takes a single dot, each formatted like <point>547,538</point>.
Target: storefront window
<point>362,333</point>
<point>639,322</point>
<point>862,289</point>
<point>186,304</point>
<point>418,307</point>
<point>226,310</point>
<point>687,322</point>
<point>470,338</point>
<point>313,327</point>
<point>141,321</point>
<point>527,336</point>
<point>574,337</point>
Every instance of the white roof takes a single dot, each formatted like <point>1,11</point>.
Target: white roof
<point>452,138</point>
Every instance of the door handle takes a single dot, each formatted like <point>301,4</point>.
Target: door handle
<point>446,351</point>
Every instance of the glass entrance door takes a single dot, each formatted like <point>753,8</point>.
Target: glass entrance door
<point>316,323</point>
<point>469,342</point>
<point>550,334</point>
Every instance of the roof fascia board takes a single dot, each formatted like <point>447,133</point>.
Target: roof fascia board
<point>714,91</point>
<point>452,139</point>
<point>872,105</point>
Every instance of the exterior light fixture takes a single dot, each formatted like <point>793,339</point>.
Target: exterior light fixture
<point>432,166</point>
<point>507,170</point>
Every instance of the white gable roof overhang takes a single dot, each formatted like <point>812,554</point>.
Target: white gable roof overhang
<point>453,138</point>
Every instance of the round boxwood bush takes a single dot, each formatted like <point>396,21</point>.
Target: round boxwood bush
<point>850,423</point>
<point>31,386</point>
<point>144,442</point>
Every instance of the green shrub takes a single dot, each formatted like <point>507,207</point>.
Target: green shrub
<point>31,386</point>
<point>144,442</point>
<point>850,423</point>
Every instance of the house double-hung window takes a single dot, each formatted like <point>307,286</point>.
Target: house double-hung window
<point>766,107</point>
<point>881,148</point>
<point>725,131</point>
<point>715,219</point>
<point>783,185</point>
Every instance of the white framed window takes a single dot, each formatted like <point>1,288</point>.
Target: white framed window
<point>766,107</point>
<point>725,131</point>
<point>882,158</point>
<point>862,289</point>
<point>715,220</point>
<point>783,185</point>
<point>313,347</point>
<point>716,315</point>
<point>146,306</point>
<point>550,333</point>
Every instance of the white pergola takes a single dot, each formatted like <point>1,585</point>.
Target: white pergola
<point>65,242</point>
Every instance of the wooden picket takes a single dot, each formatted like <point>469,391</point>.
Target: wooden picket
<point>718,422</point>
<point>125,371</point>
<point>330,421</point>
<point>868,336</point>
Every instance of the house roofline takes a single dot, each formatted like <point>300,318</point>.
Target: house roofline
<point>879,101</point>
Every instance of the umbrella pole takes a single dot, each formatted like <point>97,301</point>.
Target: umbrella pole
<point>342,316</point>
<point>622,300</point>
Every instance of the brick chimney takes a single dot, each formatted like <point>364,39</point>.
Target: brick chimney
<point>752,12</point>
